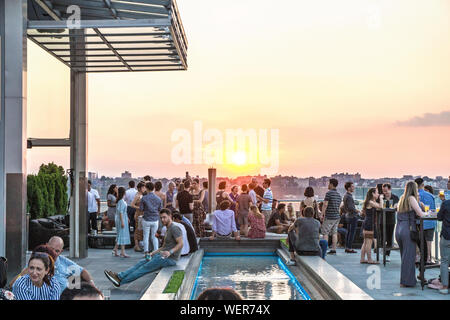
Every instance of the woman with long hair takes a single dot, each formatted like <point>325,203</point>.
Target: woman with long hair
<point>408,208</point>
<point>138,233</point>
<point>38,283</point>
<point>369,212</point>
<point>111,198</point>
<point>123,233</point>
<point>199,213</point>
<point>310,201</point>
<point>257,223</point>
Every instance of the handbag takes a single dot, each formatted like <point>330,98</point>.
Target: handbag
<point>413,229</point>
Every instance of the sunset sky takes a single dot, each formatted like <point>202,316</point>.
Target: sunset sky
<point>350,85</point>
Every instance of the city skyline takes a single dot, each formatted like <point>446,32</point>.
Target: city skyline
<point>358,86</point>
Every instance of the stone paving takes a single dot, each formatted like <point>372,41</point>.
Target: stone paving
<point>100,259</point>
<point>348,264</point>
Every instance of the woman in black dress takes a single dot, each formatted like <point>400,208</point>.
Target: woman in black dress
<point>369,212</point>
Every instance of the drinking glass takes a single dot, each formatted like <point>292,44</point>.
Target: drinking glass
<point>107,294</point>
<point>427,208</point>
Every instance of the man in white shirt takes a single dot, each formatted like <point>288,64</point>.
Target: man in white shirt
<point>129,197</point>
<point>93,207</point>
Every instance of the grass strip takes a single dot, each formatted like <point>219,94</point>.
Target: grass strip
<point>175,282</point>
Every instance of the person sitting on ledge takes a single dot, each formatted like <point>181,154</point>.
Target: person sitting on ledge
<point>278,222</point>
<point>166,256</point>
<point>86,291</point>
<point>223,222</point>
<point>303,236</point>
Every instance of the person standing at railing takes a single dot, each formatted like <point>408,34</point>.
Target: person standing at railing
<point>391,202</point>
<point>112,201</point>
<point>351,216</point>
<point>370,207</point>
<point>428,225</point>
<point>267,199</point>
<point>408,208</point>
<point>310,201</point>
<point>130,193</point>
<point>123,232</point>
<point>444,216</point>
<point>445,195</point>
<point>331,214</point>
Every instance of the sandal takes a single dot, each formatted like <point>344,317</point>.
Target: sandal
<point>363,262</point>
<point>372,262</point>
<point>124,256</point>
<point>114,253</point>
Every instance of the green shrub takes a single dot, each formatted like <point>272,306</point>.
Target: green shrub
<point>47,192</point>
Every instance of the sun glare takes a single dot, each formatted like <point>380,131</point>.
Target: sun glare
<point>239,158</point>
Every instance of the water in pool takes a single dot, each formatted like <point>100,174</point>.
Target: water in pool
<point>254,277</point>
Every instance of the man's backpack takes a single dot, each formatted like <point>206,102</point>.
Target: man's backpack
<point>3,268</point>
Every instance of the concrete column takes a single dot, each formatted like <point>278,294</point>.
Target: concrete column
<point>212,189</point>
<point>78,160</point>
<point>13,133</point>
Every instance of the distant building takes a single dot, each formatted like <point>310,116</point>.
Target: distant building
<point>126,175</point>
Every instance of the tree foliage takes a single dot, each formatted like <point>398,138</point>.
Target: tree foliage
<point>47,192</point>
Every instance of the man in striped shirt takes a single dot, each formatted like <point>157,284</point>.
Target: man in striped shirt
<point>330,211</point>
<point>267,199</point>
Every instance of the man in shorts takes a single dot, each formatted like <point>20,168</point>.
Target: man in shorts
<point>330,212</point>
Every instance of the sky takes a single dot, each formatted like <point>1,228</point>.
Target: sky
<point>348,86</point>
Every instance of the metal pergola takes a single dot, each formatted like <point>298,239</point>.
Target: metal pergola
<point>136,35</point>
<point>109,36</point>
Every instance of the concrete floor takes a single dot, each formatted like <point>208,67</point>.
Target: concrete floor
<point>100,259</point>
<point>348,264</point>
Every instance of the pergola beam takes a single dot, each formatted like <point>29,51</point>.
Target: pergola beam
<point>84,24</point>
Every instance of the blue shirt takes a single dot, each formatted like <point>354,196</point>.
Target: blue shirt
<point>64,269</point>
<point>428,199</point>
<point>24,289</point>
<point>267,195</point>
<point>223,222</point>
<point>151,204</point>
<point>444,216</point>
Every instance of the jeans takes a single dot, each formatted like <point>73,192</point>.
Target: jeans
<point>445,257</point>
<point>352,223</point>
<point>324,247</point>
<point>149,228</point>
<point>343,232</point>
<point>143,267</point>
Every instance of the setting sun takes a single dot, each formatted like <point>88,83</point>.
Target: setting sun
<point>239,158</point>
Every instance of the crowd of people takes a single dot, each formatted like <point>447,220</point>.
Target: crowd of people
<point>166,226</point>
<point>251,211</point>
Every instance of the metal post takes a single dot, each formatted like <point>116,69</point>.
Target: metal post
<point>13,137</point>
<point>212,189</point>
<point>78,158</point>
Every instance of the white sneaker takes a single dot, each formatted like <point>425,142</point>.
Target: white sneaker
<point>388,259</point>
<point>290,263</point>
